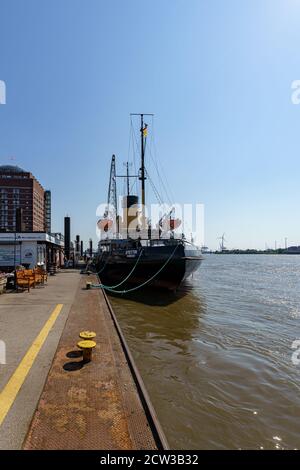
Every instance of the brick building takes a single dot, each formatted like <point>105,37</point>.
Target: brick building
<point>25,234</point>
<point>20,189</point>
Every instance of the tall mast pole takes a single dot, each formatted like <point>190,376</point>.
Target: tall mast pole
<point>127,174</point>
<point>143,163</point>
<point>142,169</point>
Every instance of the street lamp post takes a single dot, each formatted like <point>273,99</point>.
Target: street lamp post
<point>15,244</point>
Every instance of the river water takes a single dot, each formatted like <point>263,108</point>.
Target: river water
<point>216,357</point>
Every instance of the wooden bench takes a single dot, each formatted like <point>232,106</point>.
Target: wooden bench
<point>42,274</point>
<point>24,281</point>
<point>38,277</point>
<point>31,274</point>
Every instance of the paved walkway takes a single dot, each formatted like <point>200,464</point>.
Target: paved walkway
<point>94,405</point>
<point>30,346</point>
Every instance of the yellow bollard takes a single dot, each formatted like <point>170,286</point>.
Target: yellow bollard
<point>87,348</point>
<point>87,335</point>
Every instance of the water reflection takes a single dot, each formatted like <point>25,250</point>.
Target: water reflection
<point>216,356</point>
<point>155,297</point>
<point>168,316</point>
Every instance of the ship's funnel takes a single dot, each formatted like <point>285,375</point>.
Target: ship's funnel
<point>130,213</point>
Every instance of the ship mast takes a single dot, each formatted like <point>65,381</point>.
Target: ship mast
<point>127,177</point>
<point>142,177</point>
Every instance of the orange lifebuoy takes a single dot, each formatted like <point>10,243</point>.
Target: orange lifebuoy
<point>104,224</point>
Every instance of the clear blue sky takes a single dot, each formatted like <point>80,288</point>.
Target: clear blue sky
<point>217,74</point>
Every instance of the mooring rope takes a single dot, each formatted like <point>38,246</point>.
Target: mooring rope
<point>103,267</point>
<point>125,291</point>
<point>124,280</point>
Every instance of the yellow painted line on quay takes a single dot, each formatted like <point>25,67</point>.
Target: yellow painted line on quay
<point>11,389</point>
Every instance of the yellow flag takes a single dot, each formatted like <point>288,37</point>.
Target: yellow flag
<point>145,131</point>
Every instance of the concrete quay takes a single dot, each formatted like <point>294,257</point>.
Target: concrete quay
<point>49,398</point>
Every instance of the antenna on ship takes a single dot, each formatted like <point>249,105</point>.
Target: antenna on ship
<point>127,177</point>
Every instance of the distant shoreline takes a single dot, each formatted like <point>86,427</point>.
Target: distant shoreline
<point>254,252</point>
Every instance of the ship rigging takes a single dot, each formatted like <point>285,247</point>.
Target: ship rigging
<point>132,253</point>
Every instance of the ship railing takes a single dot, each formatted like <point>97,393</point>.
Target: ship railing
<point>120,246</point>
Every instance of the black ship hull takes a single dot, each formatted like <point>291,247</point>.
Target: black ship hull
<point>162,267</point>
